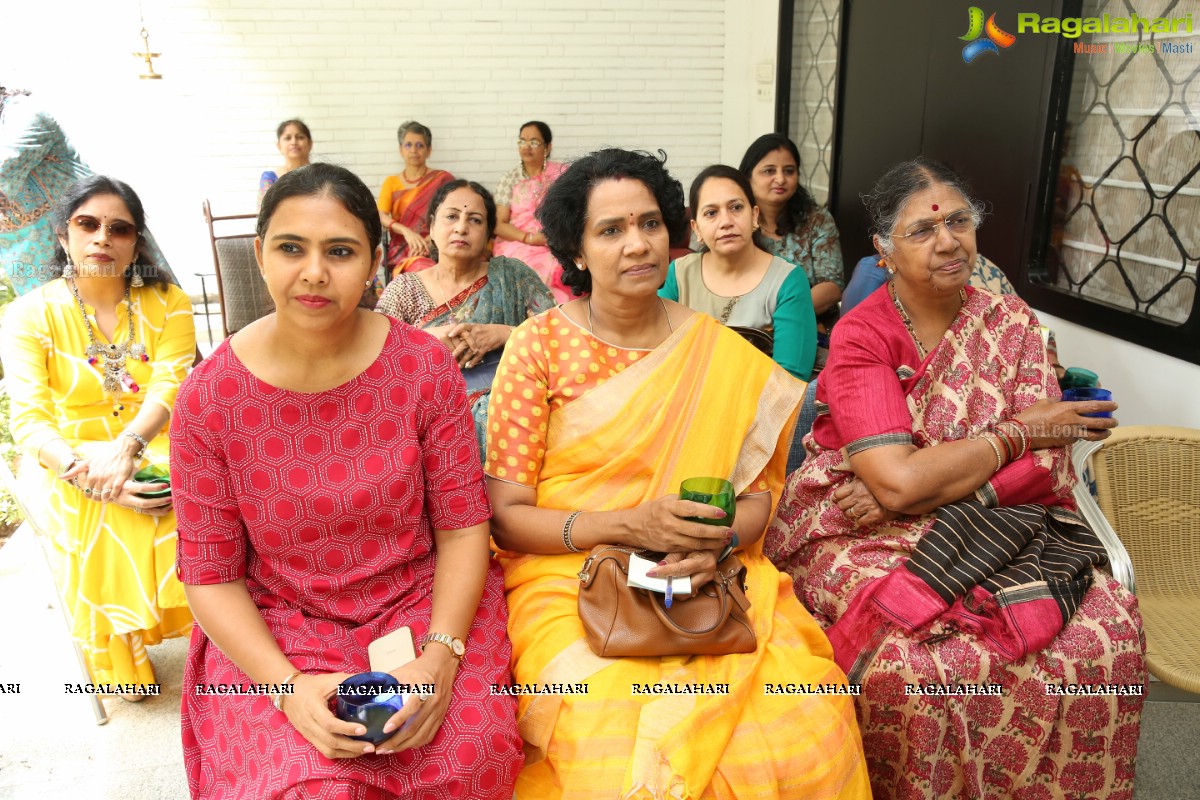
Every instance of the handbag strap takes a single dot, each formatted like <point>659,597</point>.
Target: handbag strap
<point>722,617</point>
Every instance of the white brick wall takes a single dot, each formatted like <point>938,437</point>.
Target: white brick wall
<point>673,74</point>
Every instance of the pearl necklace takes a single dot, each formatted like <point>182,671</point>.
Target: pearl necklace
<point>113,370</point>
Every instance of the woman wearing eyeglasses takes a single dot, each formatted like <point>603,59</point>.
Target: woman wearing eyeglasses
<point>404,201</point>
<point>518,197</point>
<point>38,164</point>
<point>932,530</point>
<point>93,360</point>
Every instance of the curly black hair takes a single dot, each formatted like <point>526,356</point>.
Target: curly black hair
<point>563,212</point>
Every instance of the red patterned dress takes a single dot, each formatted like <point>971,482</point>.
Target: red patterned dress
<point>1029,742</point>
<point>326,503</point>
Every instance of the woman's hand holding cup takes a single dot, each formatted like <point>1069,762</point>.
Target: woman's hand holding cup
<point>667,525</point>
<point>1060,423</point>
<point>307,708</point>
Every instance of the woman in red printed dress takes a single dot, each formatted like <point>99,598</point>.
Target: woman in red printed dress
<point>932,531</point>
<point>328,488</point>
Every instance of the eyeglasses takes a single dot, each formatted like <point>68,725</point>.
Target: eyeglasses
<point>117,231</point>
<point>957,222</point>
<point>536,144</point>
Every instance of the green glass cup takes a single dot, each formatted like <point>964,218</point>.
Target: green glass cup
<point>155,473</point>
<point>713,492</point>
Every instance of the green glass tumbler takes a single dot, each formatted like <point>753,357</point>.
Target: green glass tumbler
<point>713,492</point>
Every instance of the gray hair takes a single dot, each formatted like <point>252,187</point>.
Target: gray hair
<point>891,193</point>
<point>415,127</point>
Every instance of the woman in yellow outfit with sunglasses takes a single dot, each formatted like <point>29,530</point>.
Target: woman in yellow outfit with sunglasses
<point>93,360</point>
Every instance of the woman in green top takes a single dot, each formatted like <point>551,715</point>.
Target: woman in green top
<point>736,279</point>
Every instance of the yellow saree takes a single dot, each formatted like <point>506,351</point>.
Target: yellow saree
<point>702,403</point>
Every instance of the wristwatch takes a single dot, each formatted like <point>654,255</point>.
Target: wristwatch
<point>457,647</point>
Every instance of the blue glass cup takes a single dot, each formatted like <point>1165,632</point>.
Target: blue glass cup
<point>1088,393</point>
<point>370,699</point>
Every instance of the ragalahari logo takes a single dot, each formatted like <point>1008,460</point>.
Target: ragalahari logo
<point>996,39</point>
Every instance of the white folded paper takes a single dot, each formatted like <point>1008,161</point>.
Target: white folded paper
<point>638,567</point>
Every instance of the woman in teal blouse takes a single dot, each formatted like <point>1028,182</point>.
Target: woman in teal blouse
<point>735,279</point>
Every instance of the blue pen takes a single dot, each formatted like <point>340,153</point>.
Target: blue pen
<point>670,593</point>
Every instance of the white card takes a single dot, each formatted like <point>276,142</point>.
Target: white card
<point>638,567</point>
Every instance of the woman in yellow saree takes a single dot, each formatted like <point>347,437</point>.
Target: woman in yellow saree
<point>600,408</point>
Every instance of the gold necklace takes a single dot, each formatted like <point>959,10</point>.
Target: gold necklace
<point>417,179</point>
<point>908,323</point>
<point>591,329</point>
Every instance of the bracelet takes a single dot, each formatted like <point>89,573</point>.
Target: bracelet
<point>566,532</point>
<point>278,696</point>
<point>1009,441</point>
<point>995,448</point>
<point>139,439</point>
<point>1022,433</point>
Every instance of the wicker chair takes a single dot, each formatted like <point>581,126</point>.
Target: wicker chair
<point>243,294</point>
<point>1147,481</point>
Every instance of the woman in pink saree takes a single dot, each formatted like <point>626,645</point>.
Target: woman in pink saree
<point>932,531</point>
<point>518,197</point>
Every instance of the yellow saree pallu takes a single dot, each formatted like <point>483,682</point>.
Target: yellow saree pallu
<point>702,404</point>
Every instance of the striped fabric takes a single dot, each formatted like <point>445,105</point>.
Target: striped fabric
<point>1019,554</point>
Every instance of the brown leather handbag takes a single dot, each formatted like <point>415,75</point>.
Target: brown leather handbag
<point>622,620</point>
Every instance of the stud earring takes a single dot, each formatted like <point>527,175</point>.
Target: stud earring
<point>367,283</point>
<point>136,281</point>
<point>881,264</point>
<point>69,269</point>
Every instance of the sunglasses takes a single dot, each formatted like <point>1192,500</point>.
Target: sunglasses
<point>117,231</point>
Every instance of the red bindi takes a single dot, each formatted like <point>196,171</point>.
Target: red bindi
<point>935,206</point>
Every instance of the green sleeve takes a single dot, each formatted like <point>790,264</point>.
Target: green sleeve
<point>795,326</point>
<point>670,289</point>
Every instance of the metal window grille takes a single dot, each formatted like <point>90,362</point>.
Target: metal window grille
<point>1125,229</point>
<point>816,29</point>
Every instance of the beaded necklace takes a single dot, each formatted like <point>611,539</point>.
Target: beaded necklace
<point>908,323</point>
<point>112,358</point>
